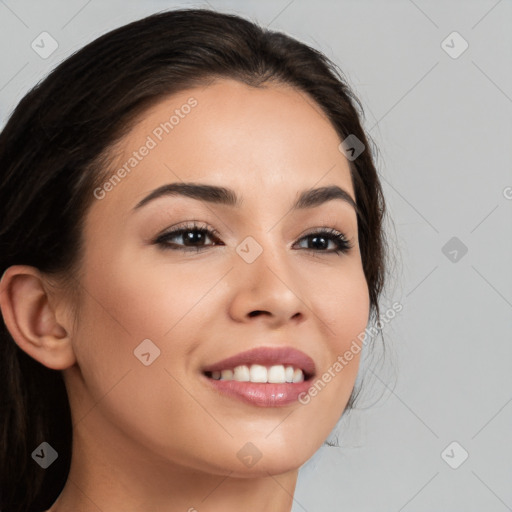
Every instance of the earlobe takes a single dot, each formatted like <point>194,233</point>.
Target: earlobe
<point>30,318</point>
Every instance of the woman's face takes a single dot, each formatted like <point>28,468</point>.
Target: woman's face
<point>262,280</point>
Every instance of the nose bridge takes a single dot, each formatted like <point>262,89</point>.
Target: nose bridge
<point>264,254</point>
<point>264,280</point>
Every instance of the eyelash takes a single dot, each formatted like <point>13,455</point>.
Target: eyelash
<point>343,244</point>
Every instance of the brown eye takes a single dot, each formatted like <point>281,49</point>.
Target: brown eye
<point>192,238</point>
<point>319,241</point>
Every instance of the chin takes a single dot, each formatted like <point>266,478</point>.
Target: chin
<point>266,466</point>
<point>268,458</point>
<point>281,457</point>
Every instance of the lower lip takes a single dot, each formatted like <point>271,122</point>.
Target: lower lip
<point>261,394</point>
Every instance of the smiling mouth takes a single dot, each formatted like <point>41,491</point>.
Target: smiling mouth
<point>256,373</point>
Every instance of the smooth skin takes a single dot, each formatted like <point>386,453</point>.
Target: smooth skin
<point>157,437</point>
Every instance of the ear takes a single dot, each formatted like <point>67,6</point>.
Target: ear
<point>30,318</point>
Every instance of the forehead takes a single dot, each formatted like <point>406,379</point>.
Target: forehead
<point>258,141</point>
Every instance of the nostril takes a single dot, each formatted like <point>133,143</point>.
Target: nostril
<point>255,313</point>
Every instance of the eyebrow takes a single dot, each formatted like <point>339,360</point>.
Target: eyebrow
<point>310,198</point>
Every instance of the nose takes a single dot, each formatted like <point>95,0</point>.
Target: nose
<point>266,290</point>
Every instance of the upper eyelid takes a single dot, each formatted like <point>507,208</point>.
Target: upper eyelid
<point>210,230</point>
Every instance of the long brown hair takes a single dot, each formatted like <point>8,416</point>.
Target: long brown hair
<point>53,152</point>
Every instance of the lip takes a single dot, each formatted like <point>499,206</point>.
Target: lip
<point>267,356</point>
<point>258,393</point>
<point>261,394</point>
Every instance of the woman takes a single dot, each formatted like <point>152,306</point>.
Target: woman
<point>192,246</point>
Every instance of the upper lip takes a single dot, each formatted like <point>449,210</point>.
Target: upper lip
<point>267,356</point>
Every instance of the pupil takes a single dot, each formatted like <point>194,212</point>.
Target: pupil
<point>191,234</point>
<point>316,244</point>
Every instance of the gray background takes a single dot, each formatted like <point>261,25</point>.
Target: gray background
<point>443,126</point>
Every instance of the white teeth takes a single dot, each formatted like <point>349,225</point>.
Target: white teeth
<point>298,376</point>
<point>276,374</point>
<point>226,374</point>
<point>242,374</point>
<point>258,373</point>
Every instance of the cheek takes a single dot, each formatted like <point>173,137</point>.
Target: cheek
<point>126,301</point>
<point>344,306</point>
<point>351,314</point>
<point>124,306</point>
<point>148,300</point>
<point>343,310</point>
